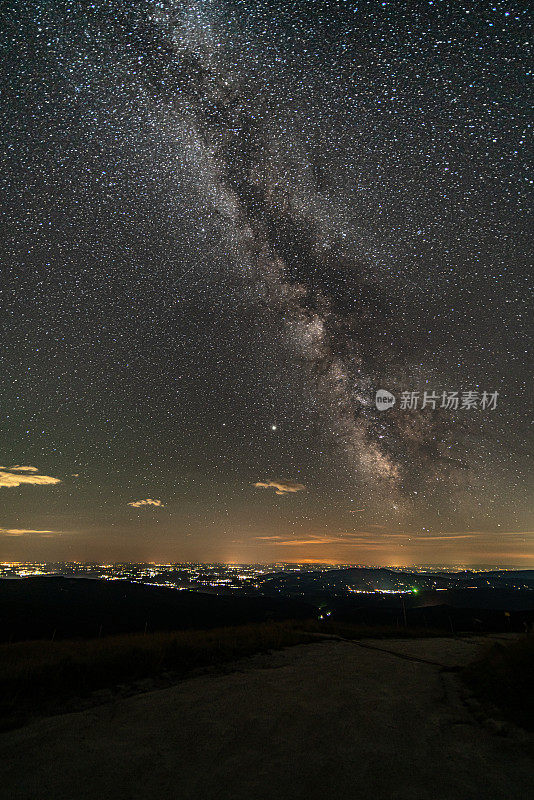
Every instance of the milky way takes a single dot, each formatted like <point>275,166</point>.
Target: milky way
<point>230,224</point>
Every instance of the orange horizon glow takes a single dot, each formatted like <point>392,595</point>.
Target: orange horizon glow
<point>394,548</point>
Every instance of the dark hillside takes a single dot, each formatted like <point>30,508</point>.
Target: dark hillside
<point>58,607</point>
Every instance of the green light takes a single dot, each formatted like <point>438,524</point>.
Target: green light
<point>415,591</point>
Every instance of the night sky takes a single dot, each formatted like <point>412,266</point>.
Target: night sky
<point>226,225</point>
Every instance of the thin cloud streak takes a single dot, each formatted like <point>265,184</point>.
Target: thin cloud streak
<point>281,487</point>
<point>23,531</point>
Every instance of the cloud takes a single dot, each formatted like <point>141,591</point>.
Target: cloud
<point>305,542</point>
<point>311,539</point>
<point>269,538</point>
<point>147,502</point>
<point>281,487</point>
<point>11,479</point>
<point>341,539</point>
<point>21,531</point>
<point>18,468</point>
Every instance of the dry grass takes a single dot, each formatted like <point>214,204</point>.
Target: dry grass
<point>348,630</point>
<point>42,676</point>
<point>503,676</point>
<point>47,677</point>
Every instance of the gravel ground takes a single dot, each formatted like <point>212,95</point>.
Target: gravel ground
<point>382,720</point>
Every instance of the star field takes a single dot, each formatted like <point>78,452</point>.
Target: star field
<point>226,226</point>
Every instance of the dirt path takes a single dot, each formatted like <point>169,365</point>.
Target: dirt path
<point>375,720</point>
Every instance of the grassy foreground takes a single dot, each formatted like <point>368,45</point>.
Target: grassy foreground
<point>504,676</point>
<point>41,677</point>
<point>48,677</point>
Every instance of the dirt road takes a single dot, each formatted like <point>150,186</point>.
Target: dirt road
<point>381,720</point>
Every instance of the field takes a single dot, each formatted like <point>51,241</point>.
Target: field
<point>354,719</point>
<point>45,677</point>
<point>39,677</point>
<point>503,676</point>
